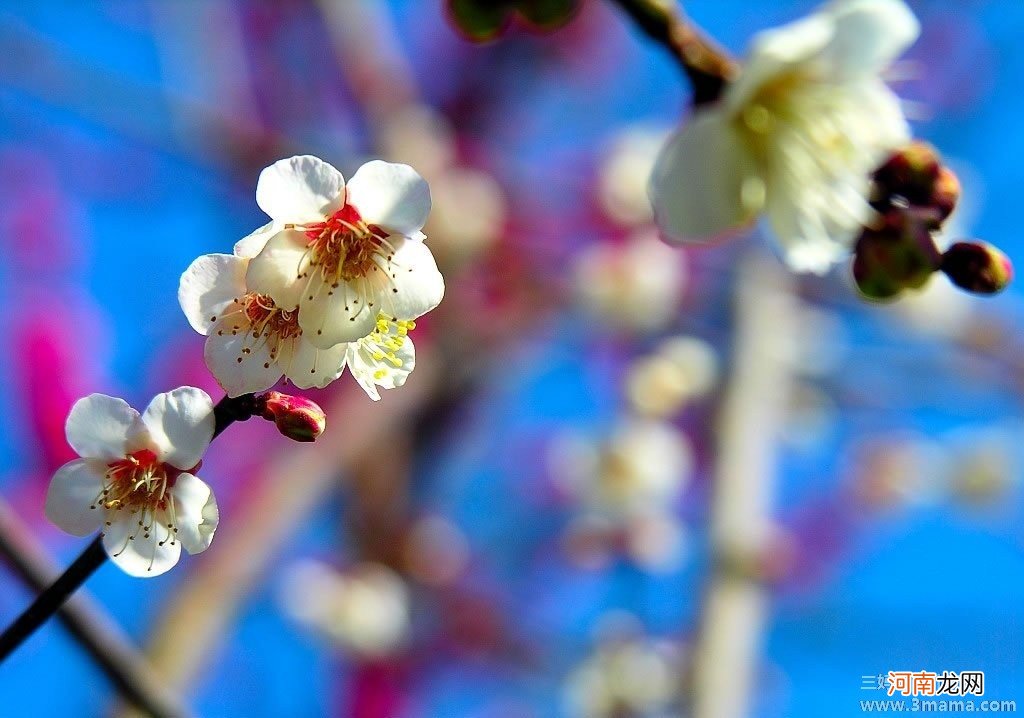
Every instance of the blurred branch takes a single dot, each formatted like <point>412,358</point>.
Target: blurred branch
<point>378,73</point>
<point>752,412</point>
<point>98,635</point>
<point>708,66</point>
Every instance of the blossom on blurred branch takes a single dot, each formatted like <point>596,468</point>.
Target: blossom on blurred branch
<point>626,487</point>
<point>627,167</point>
<point>797,136</point>
<point>425,139</point>
<point>364,610</point>
<point>136,479</point>
<point>681,369</point>
<point>629,674</point>
<point>635,285</point>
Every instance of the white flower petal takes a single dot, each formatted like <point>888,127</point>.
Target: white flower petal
<point>337,315</point>
<point>705,182</point>
<point>300,190</point>
<point>775,52</point>
<point>277,269</point>
<point>252,244</point>
<point>181,424</point>
<point>73,490</point>
<point>256,371</point>
<point>210,286</point>
<point>102,427</point>
<point>314,367</point>
<point>410,285</point>
<point>371,370</point>
<point>868,35</point>
<point>138,552</point>
<point>391,196</point>
<point>196,513</point>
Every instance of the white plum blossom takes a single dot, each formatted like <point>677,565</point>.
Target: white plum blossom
<point>642,466</point>
<point>796,136</point>
<point>136,479</point>
<point>636,284</point>
<point>632,675</point>
<point>343,254</point>
<point>365,610</point>
<point>252,341</point>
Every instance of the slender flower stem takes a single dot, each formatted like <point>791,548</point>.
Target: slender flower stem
<point>226,412</point>
<point>125,667</point>
<point>50,600</point>
<point>708,66</point>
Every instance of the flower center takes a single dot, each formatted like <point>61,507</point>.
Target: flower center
<point>344,247</point>
<point>135,482</point>
<point>266,318</point>
<point>138,484</point>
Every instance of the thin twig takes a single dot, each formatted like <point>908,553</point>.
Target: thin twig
<point>50,600</point>
<point>95,631</point>
<point>708,66</point>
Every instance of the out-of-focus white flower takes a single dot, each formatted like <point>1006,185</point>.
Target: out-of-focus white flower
<point>459,236</point>
<point>680,370</point>
<point>797,135</point>
<point>900,471</point>
<point>637,285</point>
<point>426,140</point>
<point>365,610</point>
<point>657,541</point>
<point>345,254</point>
<point>251,341</point>
<point>983,467</point>
<point>622,183</point>
<point>421,137</point>
<point>633,676</point>
<point>135,479</point>
<point>811,416</point>
<point>643,466</point>
<point>436,551</point>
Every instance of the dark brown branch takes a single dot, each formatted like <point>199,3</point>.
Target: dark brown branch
<point>123,665</point>
<point>708,66</point>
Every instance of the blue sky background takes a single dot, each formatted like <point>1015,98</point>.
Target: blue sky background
<point>935,588</point>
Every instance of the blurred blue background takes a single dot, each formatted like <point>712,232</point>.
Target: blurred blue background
<point>131,136</point>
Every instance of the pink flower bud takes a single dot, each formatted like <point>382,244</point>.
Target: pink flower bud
<point>977,267</point>
<point>298,418</point>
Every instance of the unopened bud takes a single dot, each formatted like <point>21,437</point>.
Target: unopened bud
<point>977,267</point>
<point>298,418</point>
<point>945,194</point>
<point>900,255</point>
<point>916,176</point>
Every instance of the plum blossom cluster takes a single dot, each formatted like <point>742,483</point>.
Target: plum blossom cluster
<point>336,279</point>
